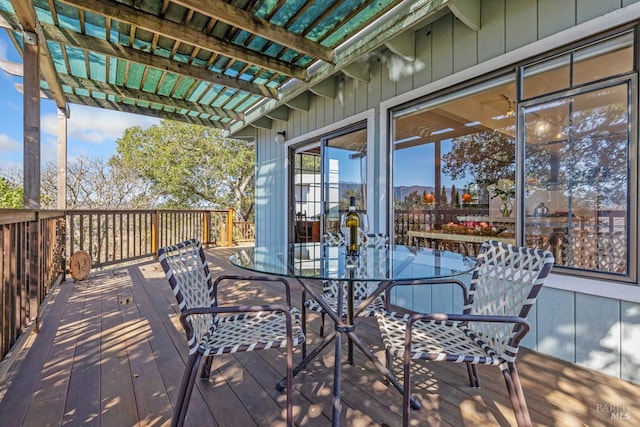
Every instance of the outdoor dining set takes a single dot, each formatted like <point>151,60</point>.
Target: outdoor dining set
<point>496,289</point>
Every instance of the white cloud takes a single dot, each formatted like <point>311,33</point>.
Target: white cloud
<point>9,145</point>
<point>96,125</point>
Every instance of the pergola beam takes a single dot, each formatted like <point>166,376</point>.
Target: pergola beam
<point>235,17</point>
<point>134,109</point>
<point>185,34</point>
<point>29,21</point>
<point>139,95</point>
<point>71,38</point>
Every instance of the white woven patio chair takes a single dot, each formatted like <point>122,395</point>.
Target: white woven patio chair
<point>213,329</point>
<point>504,287</point>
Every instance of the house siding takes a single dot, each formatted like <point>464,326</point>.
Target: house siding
<point>594,331</point>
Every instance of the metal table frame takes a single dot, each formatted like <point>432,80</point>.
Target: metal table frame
<point>347,326</point>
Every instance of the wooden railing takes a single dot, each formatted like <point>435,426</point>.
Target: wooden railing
<point>112,237</point>
<point>31,262</point>
<point>36,247</point>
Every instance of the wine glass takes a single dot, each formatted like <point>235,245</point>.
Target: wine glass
<point>364,223</point>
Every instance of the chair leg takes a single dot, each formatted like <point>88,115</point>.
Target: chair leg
<point>186,387</point>
<point>303,314</point>
<point>322,325</point>
<point>289,382</point>
<point>406,393</point>
<point>472,371</point>
<point>516,395</point>
<point>205,373</point>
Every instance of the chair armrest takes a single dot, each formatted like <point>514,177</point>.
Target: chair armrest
<point>255,278</point>
<point>431,282</point>
<point>467,318</point>
<point>235,309</point>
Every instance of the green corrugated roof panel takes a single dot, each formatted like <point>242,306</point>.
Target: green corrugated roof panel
<point>120,70</point>
<point>167,84</point>
<point>310,15</point>
<point>184,85</point>
<point>77,63</point>
<point>55,49</point>
<point>6,6</point>
<point>250,72</point>
<point>98,66</point>
<point>359,20</point>
<point>286,12</point>
<point>43,13</point>
<point>213,91</point>
<point>99,95</point>
<point>258,43</point>
<point>142,45</point>
<point>233,102</point>
<point>81,91</point>
<point>95,25</point>
<point>152,80</point>
<point>160,51</point>
<point>248,103</point>
<point>130,101</point>
<point>113,70</point>
<point>68,17</point>
<point>66,89</point>
<point>199,90</point>
<point>134,76</point>
<point>224,97</point>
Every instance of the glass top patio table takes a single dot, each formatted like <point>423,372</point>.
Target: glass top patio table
<point>382,264</point>
<point>378,264</point>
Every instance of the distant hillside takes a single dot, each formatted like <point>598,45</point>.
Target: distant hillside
<point>400,193</point>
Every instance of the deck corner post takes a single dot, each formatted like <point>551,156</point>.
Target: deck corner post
<point>155,234</point>
<point>230,227</point>
<point>206,228</point>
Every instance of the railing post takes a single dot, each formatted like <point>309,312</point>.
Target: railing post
<point>206,228</point>
<point>33,283</point>
<point>155,234</point>
<point>230,227</point>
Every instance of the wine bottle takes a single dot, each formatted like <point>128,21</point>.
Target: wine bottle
<point>352,224</point>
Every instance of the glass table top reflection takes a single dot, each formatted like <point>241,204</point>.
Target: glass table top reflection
<point>317,261</point>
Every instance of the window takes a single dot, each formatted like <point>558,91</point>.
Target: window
<point>568,143</point>
<point>448,156</point>
<point>577,167</point>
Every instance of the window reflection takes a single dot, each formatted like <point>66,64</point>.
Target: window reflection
<point>447,159</point>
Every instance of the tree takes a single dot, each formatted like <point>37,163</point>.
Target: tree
<point>443,197</point>
<point>454,196</point>
<point>485,157</point>
<point>192,166</point>
<point>11,195</point>
<point>95,183</point>
<point>413,201</point>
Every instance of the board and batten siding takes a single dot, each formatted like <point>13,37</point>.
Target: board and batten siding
<point>596,331</point>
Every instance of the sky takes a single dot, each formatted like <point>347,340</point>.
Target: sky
<point>91,132</point>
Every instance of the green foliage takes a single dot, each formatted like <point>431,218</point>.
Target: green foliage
<point>485,157</point>
<point>192,166</point>
<point>413,201</point>
<point>11,196</point>
<point>443,197</point>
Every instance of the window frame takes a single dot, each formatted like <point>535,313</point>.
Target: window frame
<point>631,79</point>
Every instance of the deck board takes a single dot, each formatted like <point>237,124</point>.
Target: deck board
<point>111,352</point>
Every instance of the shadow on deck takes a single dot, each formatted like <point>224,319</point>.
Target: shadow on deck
<point>111,352</point>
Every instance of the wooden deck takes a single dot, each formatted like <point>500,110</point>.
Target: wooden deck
<point>111,352</point>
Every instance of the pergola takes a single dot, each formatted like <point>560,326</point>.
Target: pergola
<point>236,65</point>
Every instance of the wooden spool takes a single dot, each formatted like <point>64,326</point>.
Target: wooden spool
<point>80,265</point>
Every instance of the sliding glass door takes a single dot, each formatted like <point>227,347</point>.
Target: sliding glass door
<point>326,174</point>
